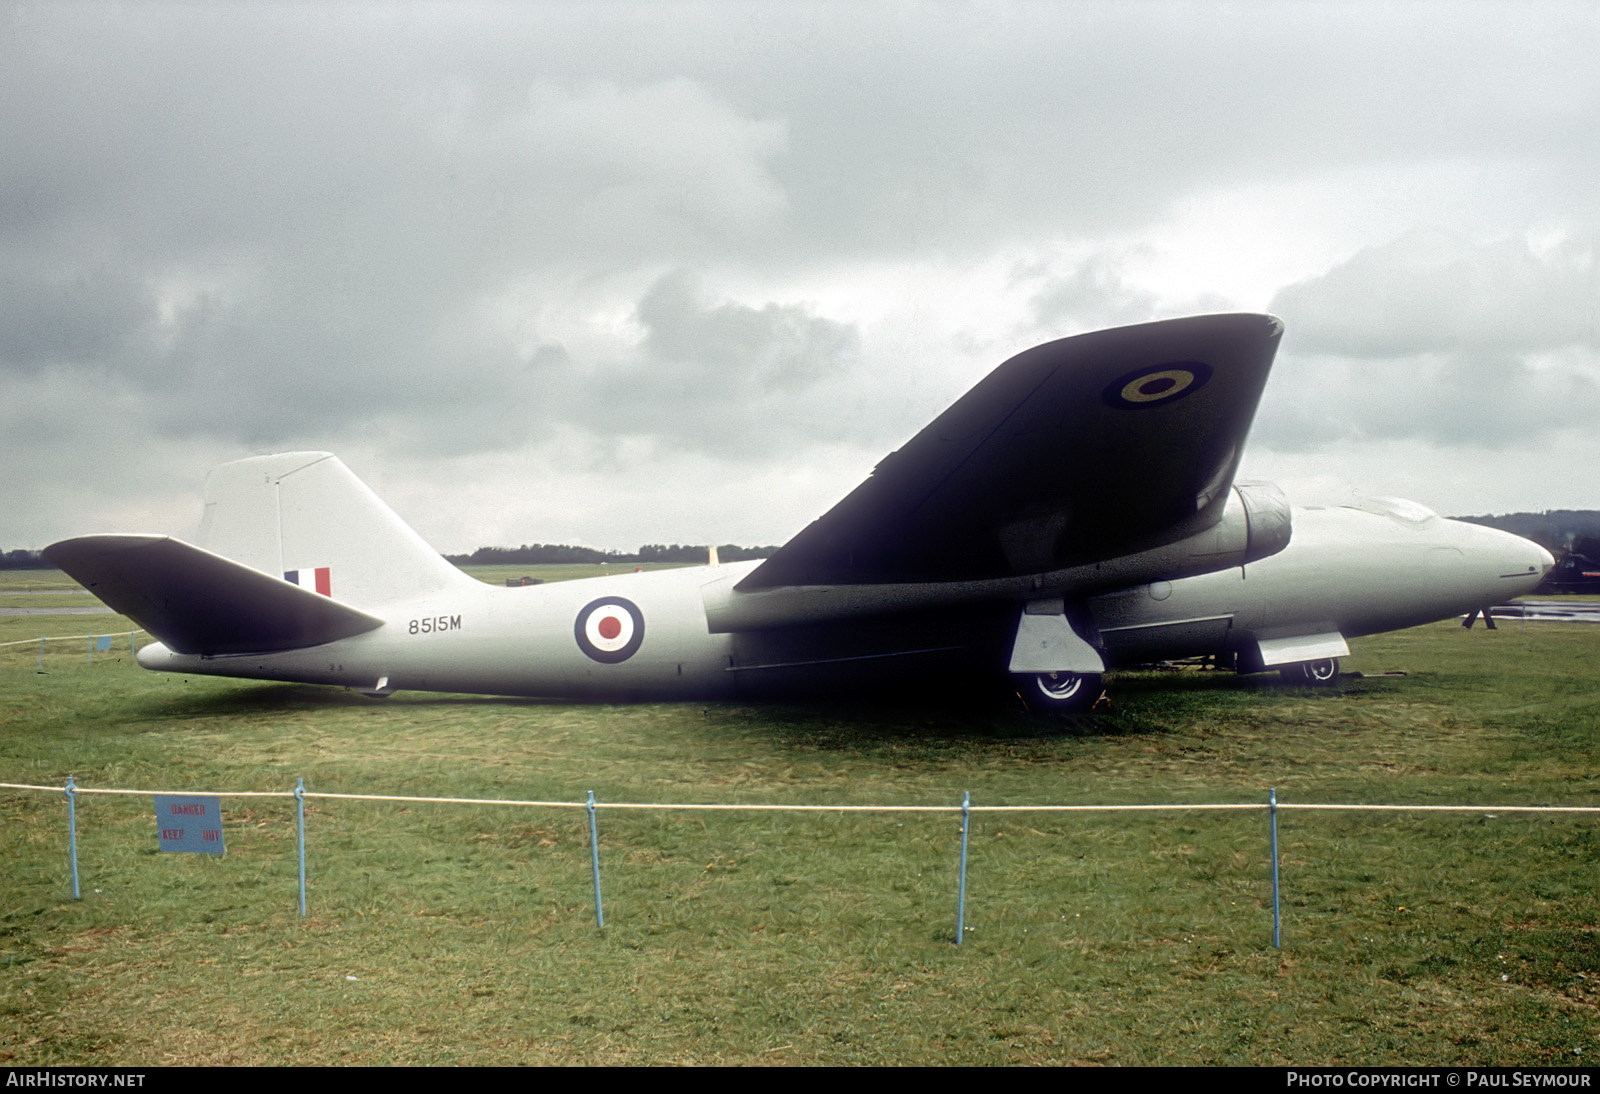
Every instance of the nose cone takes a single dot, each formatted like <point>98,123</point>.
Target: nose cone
<point>1522,563</point>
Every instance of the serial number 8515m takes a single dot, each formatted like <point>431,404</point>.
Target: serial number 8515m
<point>435,623</point>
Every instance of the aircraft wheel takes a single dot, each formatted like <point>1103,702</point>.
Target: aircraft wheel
<point>1061,691</point>
<point>1317,674</point>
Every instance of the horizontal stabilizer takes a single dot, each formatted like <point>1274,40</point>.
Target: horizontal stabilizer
<point>200,603</point>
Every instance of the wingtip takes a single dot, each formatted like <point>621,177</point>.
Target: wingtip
<point>66,549</point>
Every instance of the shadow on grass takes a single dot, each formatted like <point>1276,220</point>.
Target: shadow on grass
<point>1137,703</point>
<point>259,698</point>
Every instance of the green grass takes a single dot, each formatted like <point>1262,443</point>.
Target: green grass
<point>465,934</point>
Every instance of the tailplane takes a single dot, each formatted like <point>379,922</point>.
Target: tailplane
<point>294,551</point>
<point>199,603</point>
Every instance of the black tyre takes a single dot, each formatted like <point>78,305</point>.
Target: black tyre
<point>1321,673</point>
<point>1063,692</point>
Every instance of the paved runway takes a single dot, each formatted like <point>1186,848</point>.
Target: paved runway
<point>1550,611</point>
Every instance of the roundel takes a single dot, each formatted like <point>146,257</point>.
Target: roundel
<point>1157,384</point>
<point>609,629</point>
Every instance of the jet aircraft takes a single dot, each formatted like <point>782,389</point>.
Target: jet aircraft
<point>1075,511</point>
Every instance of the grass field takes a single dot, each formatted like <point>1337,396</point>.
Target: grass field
<point>465,934</point>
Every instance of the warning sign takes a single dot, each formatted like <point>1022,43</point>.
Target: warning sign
<point>186,823</point>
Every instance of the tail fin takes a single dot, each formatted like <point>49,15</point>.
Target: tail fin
<point>304,517</point>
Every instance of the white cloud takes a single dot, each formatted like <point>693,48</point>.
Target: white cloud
<point>1431,337</point>
<point>1433,291</point>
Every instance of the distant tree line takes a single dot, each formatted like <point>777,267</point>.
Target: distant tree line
<point>1554,529</point>
<point>530,554</point>
<point>24,560</point>
<point>525,555</point>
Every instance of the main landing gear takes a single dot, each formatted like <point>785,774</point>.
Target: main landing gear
<point>1322,673</point>
<point>1061,692</point>
<point>1077,692</point>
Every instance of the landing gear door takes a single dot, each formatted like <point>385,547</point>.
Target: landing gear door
<point>1047,642</point>
<point>1302,647</point>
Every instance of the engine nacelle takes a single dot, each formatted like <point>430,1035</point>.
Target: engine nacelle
<point>1255,524</point>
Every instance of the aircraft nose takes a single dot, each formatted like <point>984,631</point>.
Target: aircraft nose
<point>1524,563</point>
<point>1534,558</point>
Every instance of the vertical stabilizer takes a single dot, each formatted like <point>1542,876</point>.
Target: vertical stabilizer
<point>305,518</point>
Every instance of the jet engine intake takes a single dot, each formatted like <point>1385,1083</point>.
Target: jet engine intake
<point>1268,524</point>
<point>1255,524</point>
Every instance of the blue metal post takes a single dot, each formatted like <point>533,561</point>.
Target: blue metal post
<point>1272,810</point>
<point>961,890</point>
<point>594,858</point>
<point>300,830</point>
<point>72,833</point>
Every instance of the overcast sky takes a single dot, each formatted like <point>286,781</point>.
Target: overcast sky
<point>648,272</point>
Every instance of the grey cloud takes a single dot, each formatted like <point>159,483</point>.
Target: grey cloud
<point>1483,400</point>
<point>289,239</point>
<point>441,229</point>
<point>1434,338</point>
<point>549,355</point>
<point>723,377</point>
<point>88,317</point>
<point>868,129</point>
<point>1098,124</point>
<point>779,348</point>
<point>1094,293</point>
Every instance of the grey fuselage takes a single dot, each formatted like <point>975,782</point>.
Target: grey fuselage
<point>1353,570</point>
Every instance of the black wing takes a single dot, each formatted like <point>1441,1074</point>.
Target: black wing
<point>1076,451</point>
